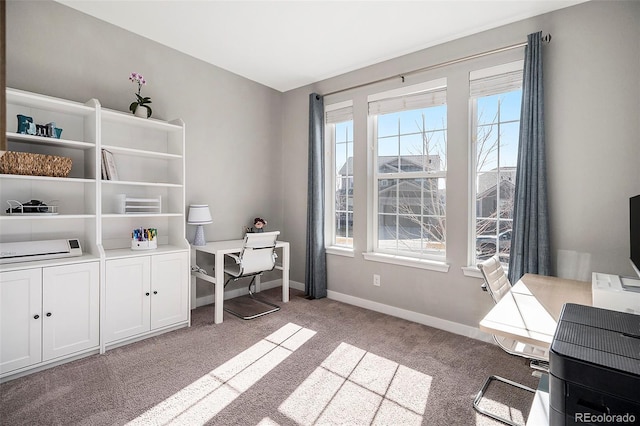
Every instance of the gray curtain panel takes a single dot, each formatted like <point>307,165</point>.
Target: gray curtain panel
<point>530,245</point>
<point>315,286</point>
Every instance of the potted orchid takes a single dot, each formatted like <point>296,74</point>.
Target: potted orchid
<point>140,107</point>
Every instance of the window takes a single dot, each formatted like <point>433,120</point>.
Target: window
<point>410,143</point>
<point>339,146</point>
<point>495,104</point>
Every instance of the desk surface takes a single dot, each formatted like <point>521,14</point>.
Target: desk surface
<point>553,292</point>
<point>530,310</point>
<point>228,246</point>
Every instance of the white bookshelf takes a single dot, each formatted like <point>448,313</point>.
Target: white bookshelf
<point>149,157</point>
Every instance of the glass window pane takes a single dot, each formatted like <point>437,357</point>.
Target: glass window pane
<point>488,110</point>
<point>341,160</point>
<point>486,183</point>
<point>410,210</point>
<point>510,106</point>
<point>388,124</point>
<point>434,233</point>
<point>388,196</point>
<point>509,136</point>
<point>507,192</point>
<point>342,131</point>
<point>411,145</point>
<point>341,135</point>
<point>497,134</point>
<point>341,200</point>
<point>433,194</point>
<point>487,148</point>
<point>387,232</point>
<point>436,118</point>
<point>436,149</point>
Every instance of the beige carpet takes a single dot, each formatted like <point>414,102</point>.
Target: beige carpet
<point>317,362</point>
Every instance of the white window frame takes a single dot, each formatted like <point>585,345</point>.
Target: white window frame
<point>375,253</point>
<point>502,78</point>
<point>331,246</point>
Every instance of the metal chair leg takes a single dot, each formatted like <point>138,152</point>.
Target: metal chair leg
<point>476,401</point>
<point>250,317</point>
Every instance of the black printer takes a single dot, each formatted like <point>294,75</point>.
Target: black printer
<point>594,368</point>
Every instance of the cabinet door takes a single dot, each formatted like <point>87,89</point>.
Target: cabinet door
<point>70,307</point>
<point>170,289</point>
<point>20,319</point>
<point>128,298</point>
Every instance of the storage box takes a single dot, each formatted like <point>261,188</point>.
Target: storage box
<point>27,163</point>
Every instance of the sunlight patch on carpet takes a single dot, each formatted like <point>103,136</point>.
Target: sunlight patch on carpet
<point>200,401</point>
<point>353,386</point>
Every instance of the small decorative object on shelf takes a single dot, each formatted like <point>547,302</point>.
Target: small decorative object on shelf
<point>137,205</point>
<point>140,107</point>
<point>258,225</point>
<point>144,239</point>
<point>31,208</point>
<point>26,126</point>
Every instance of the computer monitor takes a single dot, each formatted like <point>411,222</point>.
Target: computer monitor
<point>634,232</point>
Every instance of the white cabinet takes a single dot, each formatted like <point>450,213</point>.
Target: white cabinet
<point>20,319</point>
<point>48,313</point>
<point>169,289</point>
<point>70,309</point>
<point>145,294</point>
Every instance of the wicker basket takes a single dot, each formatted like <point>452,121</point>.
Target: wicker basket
<point>27,163</point>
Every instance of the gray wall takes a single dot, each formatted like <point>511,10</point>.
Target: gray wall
<point>593,138</point>
<point>247,144</point>
<point>232,124</point>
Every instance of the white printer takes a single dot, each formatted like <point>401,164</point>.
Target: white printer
<point>39,250</point>
<point>616,293</point>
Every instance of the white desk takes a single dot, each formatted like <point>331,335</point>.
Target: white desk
<point>529,313</point>
<point>218,249</point>
<point>530,310</point>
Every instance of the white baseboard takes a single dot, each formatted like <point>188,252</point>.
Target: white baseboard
<point>230,294</point>
<point>442,324</point>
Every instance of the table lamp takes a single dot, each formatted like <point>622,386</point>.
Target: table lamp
<point>199,215</point>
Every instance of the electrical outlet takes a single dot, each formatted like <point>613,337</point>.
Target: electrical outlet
<point>376,280</point>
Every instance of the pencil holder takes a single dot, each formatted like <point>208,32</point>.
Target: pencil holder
<point>144,239</point>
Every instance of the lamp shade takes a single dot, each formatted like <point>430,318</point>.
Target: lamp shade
<point>199,214</point>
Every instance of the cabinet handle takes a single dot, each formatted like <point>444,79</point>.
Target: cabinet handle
<point>48,314</point>
<point>155,292</point>
<point>146,294</point>
<point>36,316</point>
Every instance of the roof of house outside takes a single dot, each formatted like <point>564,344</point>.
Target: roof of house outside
<point>432,162</point>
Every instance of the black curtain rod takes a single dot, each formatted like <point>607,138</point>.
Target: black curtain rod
<point>545,39</point>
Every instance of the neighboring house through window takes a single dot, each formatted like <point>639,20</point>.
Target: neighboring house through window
<point>339,176</point>
<point>495,124</point>
<point>409,135</point>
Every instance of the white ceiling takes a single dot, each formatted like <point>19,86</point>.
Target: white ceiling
<point>288,44</point>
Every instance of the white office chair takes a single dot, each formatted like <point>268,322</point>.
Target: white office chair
<point>257,256</point>
<point>497,285</point>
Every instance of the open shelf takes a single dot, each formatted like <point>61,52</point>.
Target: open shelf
<point>141,153</point>
<point>44,141</point>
